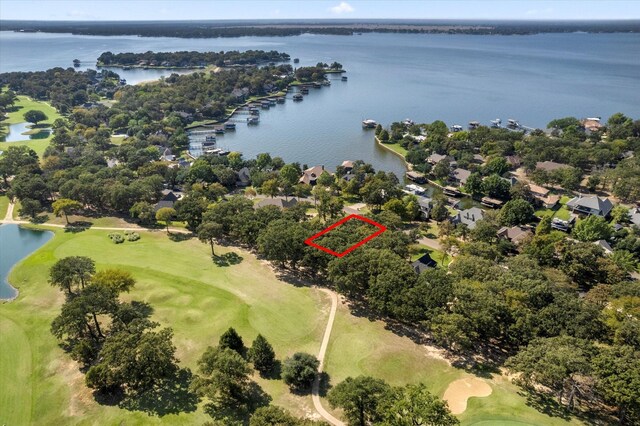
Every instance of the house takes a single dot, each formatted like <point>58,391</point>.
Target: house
<point>460,176</point>
<point>590,205</point>
<point>468,217</point>
<point>549,166</point>
<point>541,194</point>
<point>347,165</point>
<point>311,175</point>
<point>167,155</point>
<point>278,202</point>
<point>515,234</point>
<point>478,159</point>
<point>635,216</point>
<point>604,246</point>
<point>591,124</point>
<point>243,177</point>
<point>416,177</point>
<point>514,161</point>
<point>434,159</point>
<point>168,199</point>
<point>426,205</point>
<point>424,263</point>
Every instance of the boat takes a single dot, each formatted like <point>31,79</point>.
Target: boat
<point>272,101</point>
<point>304,90</point>
<point>513,123</point>
<point>474,125</point>
<point>344,78</point>
<point>408,122</point>
<point>296,60</point>
<point>369,124</point>
<point>230,126</point>
<point>451,191</point>
<point>456,128</point>
<point>280,99</point>
<point>254,111</point>
<point>326,83</point>
<point>219,131</point>
<point>317,85</point>
<point>497,123</point>
<point>265,105</point>
<point>210,138</point>
<point>126,68</point>
<point>253,120</point>
<point>298,97</point>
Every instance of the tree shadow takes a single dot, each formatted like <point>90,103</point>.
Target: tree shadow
<point>227,259</point>
<point>74,229</point>
<point>82,224</point>
<point>171,397</point>
<point>275,373</point>
<point>42,218</point>
<point>233,410</point>
<point>325,384</point>
<point>178,237</point>
<point>545,404</point>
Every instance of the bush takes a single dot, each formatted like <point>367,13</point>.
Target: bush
<point>299,371</point>
<point>116,238</point>
<point>132,236</point>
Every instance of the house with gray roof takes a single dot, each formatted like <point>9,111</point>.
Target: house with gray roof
<point>590,205</point>
<point>280,202</point>
<point>460,176</point>
<point>424,263</point>
<point>468,217</point>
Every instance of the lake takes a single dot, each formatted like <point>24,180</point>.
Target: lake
<point>15,133</point>
<point>16,243</point>
<point>455,78</point>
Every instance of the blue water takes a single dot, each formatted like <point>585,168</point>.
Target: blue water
<point>15,133</point>
<point>456,78</point>
<point>16,244</point>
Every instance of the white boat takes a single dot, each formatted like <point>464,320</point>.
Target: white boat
<point>513,123</point>
<point>369,124</point>
<point>496,123</point>
<point>456,128</point>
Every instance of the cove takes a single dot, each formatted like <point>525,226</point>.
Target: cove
<point>17,243</point>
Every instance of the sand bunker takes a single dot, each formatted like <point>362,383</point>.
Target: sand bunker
<point>459,391</point>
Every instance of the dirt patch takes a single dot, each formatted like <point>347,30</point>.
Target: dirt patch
<point>459,391</point>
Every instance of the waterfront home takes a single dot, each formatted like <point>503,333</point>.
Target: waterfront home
<point>491,202</point>
<point>468,217</point>
<point>347,166</point>
<point>426,205</point>
<point>549,166</point>
<point>423,263</point>
<point>311,175</point>
<point>416,177</point>
<point>590,205</point>
<point>562,225</point>
<point>591,124</point>
<point>279,202</point>
<point>460,176</point>
<point>243,177</point>
<point>515,234</point>
<point>434,158</point>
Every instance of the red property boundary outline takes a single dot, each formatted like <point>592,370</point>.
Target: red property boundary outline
<point>382,228</point>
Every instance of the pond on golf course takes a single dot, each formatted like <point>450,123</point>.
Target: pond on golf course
<point>16,243</point>
<point>15,133</point>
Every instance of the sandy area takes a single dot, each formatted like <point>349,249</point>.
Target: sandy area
<point>459,391</point>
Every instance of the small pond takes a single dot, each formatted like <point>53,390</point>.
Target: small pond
<point>16,133</point>
<point>16,243</point>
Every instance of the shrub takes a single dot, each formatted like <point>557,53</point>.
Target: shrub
<point>132,236</point>
<point>116,238</point>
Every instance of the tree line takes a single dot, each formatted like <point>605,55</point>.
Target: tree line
<point>192,58</point>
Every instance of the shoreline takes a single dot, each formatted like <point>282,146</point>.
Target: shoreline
<point>407,165</point>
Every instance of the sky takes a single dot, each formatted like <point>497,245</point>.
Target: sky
<point>117,10</point>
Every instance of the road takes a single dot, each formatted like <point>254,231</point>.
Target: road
<point>315,390</point>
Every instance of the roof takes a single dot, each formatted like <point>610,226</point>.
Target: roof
<point>311,174</point>
<point>423,263</point>
<point>169,195</point>
<point>550,165</point>
<point>593,203</point>
<point>539,190</point>
<point>424,202</point>
<point>604,245</point>
<point>278,202</point>
<point>469,217</point>
<point>162,204</point>
<point>461,174</point>
<point>515,233</point>
<point>514,160</point>
<point>436,158</point>
<point>347,164</point>
<point>414,175</point>
<point>635,216</point>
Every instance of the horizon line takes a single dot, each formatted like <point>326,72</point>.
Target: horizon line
<point>333,19</point>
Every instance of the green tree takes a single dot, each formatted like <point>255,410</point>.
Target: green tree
<point>325,179</point>
<point>65,206</point>
<point>300,370</point>
<point>620,214</point>
<point>34,116</point>
<point>496,187</point>
<point>190,209</point>
<point>143,211</point>
<point>116,279</point>
<point>166,215</point>
<point>230,339</point>
<point>515,212</point>
<point>277,416</point>
<point>282,241</point>
<point>384,136</point>
<point>208,232</point>
<point>442,170</point>
<point>270,187</point>
<point>474,184</point>
<point>71,271</point>
<point>262,355</point>
<point>544,227</point>
<point>224,376</point>
<point>29,207</point>
<point>557,363</point>
<point>618,380</point>
<point>592,228</point>
<point>414,405</point>
<point>359,399</point>
<point>290,174</point>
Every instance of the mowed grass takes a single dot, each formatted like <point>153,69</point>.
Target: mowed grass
<point>4,204</point>
<point>199,300</point>
<point>359,346</point>
<point>15,116</point>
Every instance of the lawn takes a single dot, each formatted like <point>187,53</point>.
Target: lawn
<point>440,257</point>
<point>560,210</point>
<point>23,105</point>
<point>198,299</point>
